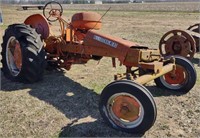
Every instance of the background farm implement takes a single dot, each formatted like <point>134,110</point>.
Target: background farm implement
<point>181,42</point>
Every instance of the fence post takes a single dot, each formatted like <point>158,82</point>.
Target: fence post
<point>199,44</point>
<point>1,16</point>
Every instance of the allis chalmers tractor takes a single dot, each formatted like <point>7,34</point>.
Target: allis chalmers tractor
<point>125,104</point>
<point>181,42</point>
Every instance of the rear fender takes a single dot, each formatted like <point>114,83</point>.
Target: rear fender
<point>40,23</point>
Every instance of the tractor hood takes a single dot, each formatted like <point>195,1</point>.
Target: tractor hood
<point>110,45</point>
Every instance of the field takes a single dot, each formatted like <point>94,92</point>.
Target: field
<point>65,103</point>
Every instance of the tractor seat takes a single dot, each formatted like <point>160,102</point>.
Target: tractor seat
<point>86,21</point>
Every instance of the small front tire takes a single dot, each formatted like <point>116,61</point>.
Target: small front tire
<point>182,80</point>
<point>128,107</point>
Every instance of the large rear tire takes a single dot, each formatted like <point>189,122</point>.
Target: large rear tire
<point>128,107</point>
<point>182,80</point>
<point>23,56</point>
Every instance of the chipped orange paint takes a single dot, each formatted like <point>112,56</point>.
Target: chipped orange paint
<point>126,108</point>
<point>176,77</point>
<point>18,55</point>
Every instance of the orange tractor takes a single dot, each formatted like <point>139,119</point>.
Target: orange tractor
<point>125,104</point>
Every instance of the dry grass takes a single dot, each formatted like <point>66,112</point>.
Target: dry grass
<point>66,103</point>
<point>159,7</point>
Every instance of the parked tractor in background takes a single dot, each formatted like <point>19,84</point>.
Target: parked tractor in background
<point>125,104</point>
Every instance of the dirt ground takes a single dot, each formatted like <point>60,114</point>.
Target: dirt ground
<point>65,103</point>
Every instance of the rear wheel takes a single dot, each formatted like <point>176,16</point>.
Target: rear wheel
<point>182,80</point>
<point>128,107</point>
<point>23,56</point>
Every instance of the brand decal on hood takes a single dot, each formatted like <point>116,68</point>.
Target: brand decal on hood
<point>105,41</point>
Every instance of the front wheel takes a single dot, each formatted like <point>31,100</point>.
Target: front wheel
<point>182,79</point>
<point>128,107</point>
<point>23,56</point>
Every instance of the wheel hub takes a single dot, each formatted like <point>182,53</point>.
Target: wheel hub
<point>178,77</point>
<point>177,47</point>
<point>18,56</point>
<point>177,42</point>
<point>14,56</point>
<point>126,108</point>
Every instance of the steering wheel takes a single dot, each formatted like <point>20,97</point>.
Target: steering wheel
<point>52,11</point>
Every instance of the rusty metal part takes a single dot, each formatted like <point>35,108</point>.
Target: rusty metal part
<point>63,59</point>
<point>52,11</point>
<point>178,77</point>
<point>149,55</point>
<point>79,36</point>
<point>67,60</point>
<point>39,22</point>
<point>114,62</point>
<point>14,56</point>
<point>135,55</point>
<point>177,42</point>
<point>53,45</point>
<point>126,108</point>
<point>151,70</point>
<point>145,78</point>
<point>129,75</point>
<point>151,76</point>
<point>196,28</point>
<point>128,53</point>
<point>156,66</point>
<point>18,55</point>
